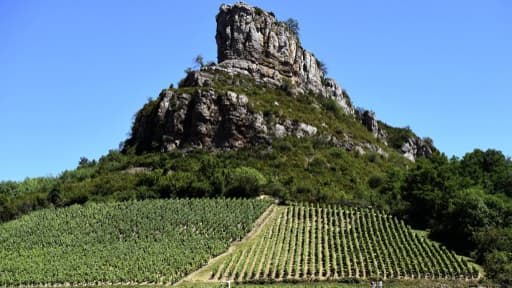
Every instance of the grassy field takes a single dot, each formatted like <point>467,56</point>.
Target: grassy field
<point>153,241</point>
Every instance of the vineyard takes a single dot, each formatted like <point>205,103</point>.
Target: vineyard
<point>329,243</point>
<point>157,241</point>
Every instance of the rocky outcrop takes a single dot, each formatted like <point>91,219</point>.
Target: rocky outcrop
<point>294,128</point>
<point>253,42</point>
<point>208,120</point>
<point>203,119</point>
<point>415,147</point>
<point>256,50</point>
<point>369,121</point>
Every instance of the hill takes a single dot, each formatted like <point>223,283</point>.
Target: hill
<point>266,119</point>
<point>265,86</point>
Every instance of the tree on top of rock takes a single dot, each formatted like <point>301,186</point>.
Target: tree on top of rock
<point>293,25</point>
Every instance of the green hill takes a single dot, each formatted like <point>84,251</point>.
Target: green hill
<point>264,120</point>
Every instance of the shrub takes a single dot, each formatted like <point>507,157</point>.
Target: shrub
<point>244,182</point>
<point>54,197</point>
<point>293,25</point>
<point>258,11</point>
<point>375,181</point>
<point>318,164</point>
<point>278,191</point>
<point>321,65</point>
<point>199,60</point>
<point>6,211</point>
<point>176,184</point>
<point>373,157</point>
<point>283,146</point>
<point>332,106</point>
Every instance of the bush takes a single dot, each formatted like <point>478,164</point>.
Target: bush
<point>6,211</point>
<point>321,65</point>
<point>79,198</point>
<point>332,106</point>
<point>176,184</point>
<point>318,164</point>
<point>244,182</point>
<point>258,11</point>
<point>293,25</point>
<point>283,146</point>
<point>373,157</point>
<point>278,191</point>
<point>54,197</point>
<point>498,266</point>
<point>375,181</point>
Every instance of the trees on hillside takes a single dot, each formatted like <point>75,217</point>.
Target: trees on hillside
<point>465,203</point>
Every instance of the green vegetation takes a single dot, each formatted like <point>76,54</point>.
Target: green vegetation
<point>466,203</point>
<point>157,241</point>
<point>321,65</point>
<point>280,104</point>
<point>396,136</point>
<point>306,243</point>
<point>406,283</point>
<point>307,169</point>
<point>293,25</point>
<point>258,11</point>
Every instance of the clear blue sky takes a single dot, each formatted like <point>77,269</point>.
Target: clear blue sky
<point>73,73</point>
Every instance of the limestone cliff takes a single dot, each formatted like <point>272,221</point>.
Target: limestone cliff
<point>206,119</point>
<point>208,110</point>
<point>253,42</point>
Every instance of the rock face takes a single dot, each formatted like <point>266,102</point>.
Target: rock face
<point>204,119</point>
<point>369,120</point>
<point>253,42</point>
<point>208,120</point>
<point>415,147</point>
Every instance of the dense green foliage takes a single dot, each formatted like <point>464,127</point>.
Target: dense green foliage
<point>465,203</point>
<point>329,243</point>
<point>305,169</point>
<point>156,241</point>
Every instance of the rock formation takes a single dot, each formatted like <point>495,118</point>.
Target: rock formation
<point>415,147</point>
<point>251,43</point>
<point>207,119</point>
<point>369,121</point>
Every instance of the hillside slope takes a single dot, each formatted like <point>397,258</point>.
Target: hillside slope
<point>329,243</point>
<point>156,241</point>
<point>266,119</point>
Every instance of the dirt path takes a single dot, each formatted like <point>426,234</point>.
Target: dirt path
<point>203,274</point>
